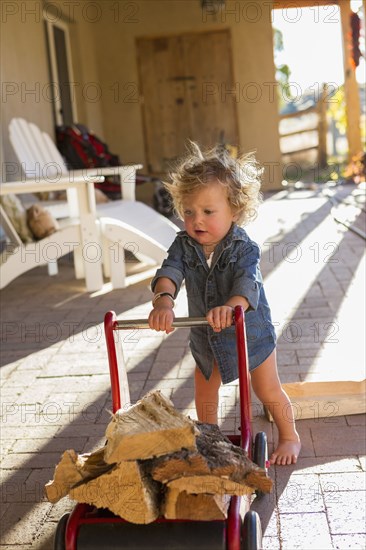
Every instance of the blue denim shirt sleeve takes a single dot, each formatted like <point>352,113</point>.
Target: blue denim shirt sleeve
<point>247,277</point>
<point>172,267</point>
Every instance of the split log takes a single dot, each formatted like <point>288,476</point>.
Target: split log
<point>215,457</point>
<point>209,484</point>
<point>182,505</point>
<point>74,469</point>
<point>125,490</point>
<point>158,461</point>
<point>151,427</point>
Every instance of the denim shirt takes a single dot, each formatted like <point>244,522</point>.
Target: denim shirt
<point>234,271</point>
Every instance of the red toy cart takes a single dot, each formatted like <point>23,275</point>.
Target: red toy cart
<point>89,528</point>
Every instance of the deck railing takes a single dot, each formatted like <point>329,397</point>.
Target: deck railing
<point>316,113</point>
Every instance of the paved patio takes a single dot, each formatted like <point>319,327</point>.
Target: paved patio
<point>55,386</point>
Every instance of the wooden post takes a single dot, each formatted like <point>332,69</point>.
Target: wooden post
<point>90,238</point>
<point>322,128</point>
<point>353,110</point>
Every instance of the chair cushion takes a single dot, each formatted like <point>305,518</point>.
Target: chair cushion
<point>18,216</point>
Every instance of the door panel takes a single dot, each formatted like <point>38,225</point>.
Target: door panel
<point>181,80</point>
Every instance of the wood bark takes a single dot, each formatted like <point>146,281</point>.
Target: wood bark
<point>215,457</point>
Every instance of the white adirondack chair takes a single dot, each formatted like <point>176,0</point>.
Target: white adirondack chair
<point>124,224</point>
<point>75,234</point>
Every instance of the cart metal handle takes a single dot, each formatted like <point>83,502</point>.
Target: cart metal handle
<point>179,322</point>
<point>111,323</point>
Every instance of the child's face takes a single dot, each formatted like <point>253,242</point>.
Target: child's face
<point>207,215</point>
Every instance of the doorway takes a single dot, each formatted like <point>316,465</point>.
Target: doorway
<point>61,73</point>
<point>188,92</point>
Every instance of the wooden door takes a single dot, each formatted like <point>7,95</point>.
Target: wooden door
<point>188,92</point>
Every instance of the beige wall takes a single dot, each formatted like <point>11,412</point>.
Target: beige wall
<point>24,76</point>
<point>25,73</point>
<point>103,36</point>
<point>252,62</point>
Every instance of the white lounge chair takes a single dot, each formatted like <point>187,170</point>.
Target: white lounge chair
<point>124,224</point>
<point>75,234</point>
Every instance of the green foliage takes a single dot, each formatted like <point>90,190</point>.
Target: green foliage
<point>277,40</point>
<point>283,71</point>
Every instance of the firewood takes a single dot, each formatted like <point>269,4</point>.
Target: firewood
<point>151,427</point>
<point>158,461</point>
<point>210,484</point>
<point>73,469</point>
<point>215,456</point>
<point>125,490</point>
<point>182,505</point>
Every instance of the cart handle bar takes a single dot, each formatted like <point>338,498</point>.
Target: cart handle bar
<point>179,322</point>
<point>111,324</point>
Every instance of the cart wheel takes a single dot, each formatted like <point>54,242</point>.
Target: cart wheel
<point>59,540</point>
<point>260,454</point>
<point>251,533</point>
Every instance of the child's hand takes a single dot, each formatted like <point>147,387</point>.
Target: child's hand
<point>161,318</point>
<point>220,317</point>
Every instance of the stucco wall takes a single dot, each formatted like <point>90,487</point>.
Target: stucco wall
<point>24,76</point>
<point>103,35</point>
<point>251,30</point>
<point>25,90</point>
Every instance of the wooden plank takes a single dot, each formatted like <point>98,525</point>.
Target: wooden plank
<point>300,113</point>
<point>325,399</point>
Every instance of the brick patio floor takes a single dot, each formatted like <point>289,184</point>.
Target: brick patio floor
<point>55,388</point>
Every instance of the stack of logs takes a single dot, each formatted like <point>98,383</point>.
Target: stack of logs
<point>158,462</point>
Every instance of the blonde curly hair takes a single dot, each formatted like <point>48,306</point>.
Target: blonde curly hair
<point>241,176</point>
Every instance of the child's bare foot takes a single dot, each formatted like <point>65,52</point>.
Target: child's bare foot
<point>286,453</point>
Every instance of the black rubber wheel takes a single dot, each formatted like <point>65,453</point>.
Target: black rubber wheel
<point>251,532</point>
<point>59,540</point>
<point>260,454</point>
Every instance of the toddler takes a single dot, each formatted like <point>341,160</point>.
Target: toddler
<point>215,195</point>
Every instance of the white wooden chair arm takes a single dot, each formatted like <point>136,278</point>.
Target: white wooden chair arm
<point>126,172</point>
<point>39,186</point>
